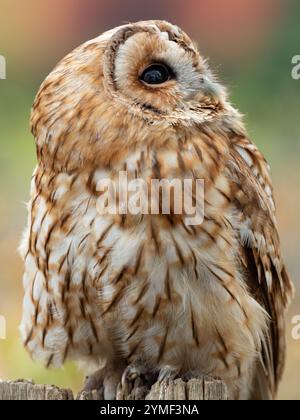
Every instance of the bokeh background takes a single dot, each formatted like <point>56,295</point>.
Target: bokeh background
<point>250,45</point>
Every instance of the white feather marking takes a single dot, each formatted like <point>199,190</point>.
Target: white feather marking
<point>245,155</point>
<point>269,280</point>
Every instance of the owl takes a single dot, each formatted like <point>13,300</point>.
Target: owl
<point>150,295</point>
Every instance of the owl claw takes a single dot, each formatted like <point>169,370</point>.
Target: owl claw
<point>131,373</point>
<point>136,382</point>
<point>167,373</point>
<point>105,380</point>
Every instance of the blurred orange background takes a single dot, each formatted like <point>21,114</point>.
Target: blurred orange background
<point>250,45</point>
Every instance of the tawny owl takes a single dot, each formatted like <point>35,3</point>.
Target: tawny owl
<point>137,293</point>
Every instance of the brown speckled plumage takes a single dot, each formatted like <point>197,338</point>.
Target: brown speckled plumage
<point>150,289</point>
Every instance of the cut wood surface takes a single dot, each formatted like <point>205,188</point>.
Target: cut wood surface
<point>195,389</point>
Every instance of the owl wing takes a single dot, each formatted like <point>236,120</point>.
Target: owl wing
<point>260,257</point>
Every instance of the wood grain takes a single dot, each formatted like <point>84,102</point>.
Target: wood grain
<point>195,389</point>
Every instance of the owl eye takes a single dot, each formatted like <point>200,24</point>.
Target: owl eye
<point>156,74</point>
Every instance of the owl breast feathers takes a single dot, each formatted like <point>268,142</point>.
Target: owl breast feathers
<point>149,290</point>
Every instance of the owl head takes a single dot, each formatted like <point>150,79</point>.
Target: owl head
<point>132,83</point>
<point>156,67</point>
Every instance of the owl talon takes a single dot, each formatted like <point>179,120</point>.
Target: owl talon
<point>129,376</point>
<point>105,380</point>
<point>167,373</point>
<point>135,383</point>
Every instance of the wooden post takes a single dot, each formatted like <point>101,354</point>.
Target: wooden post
<point>195,389</point>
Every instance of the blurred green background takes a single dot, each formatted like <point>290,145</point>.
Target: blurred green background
<point>250,45</point>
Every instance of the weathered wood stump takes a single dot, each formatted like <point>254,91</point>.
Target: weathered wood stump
<point>195,389</point>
